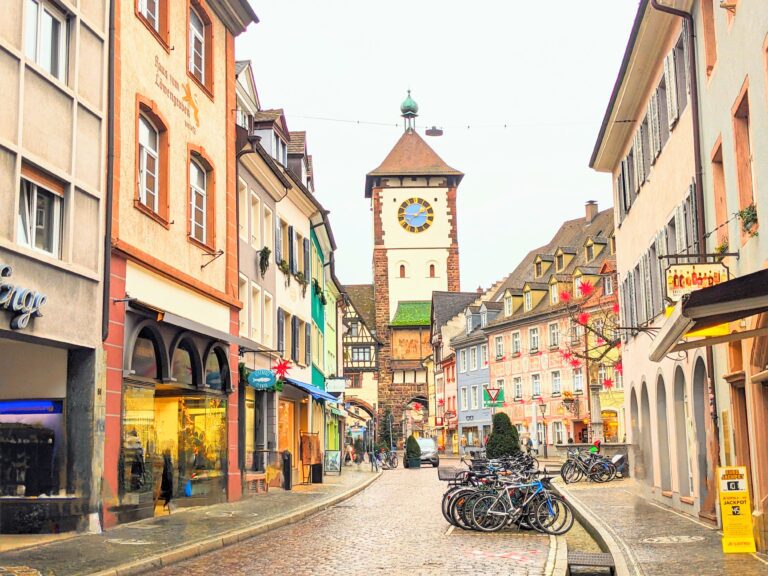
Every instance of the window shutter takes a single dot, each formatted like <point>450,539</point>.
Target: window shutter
<point>641,297</point>
<point>661,250</point>
<point>632,315</point>
<point>694,226</point>
<point>291,251</point>
<point>680,232</point>
<point>295,339</point>
<point>308,344</point>
<point>625,168</point>
<point>281,330</point>
<point>670,80</point>
<point>653,123</point>
<point>307,272</point>
<point>684,63</point>
<point>639,163</point>
<point>278,242</point>
<point>649,287</point>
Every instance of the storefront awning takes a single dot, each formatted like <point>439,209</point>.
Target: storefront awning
<point>313,391</point>
<point>727,302</point>
<point>340,413</point>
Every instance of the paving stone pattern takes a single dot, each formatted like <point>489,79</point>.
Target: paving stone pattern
<point>393,527</point>
<point>92,553</point>
<point>657,541</point>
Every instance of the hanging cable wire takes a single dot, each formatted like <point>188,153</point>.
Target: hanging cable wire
<point>444,126</point>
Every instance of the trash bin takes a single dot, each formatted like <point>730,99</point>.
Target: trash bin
<point>287,480</point>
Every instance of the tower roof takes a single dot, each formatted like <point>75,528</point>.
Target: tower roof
<point>409,106</point>
<point>411,156</point>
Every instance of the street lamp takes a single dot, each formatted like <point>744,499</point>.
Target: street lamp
<point>543,410</point>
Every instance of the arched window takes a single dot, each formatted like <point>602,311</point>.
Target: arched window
<point>431,270</point>
<point>402,270</point>
<point>216,370</point>
<point>182,366</point>
<point>146,354</point>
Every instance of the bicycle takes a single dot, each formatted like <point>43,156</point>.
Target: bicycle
<point>389,460</point>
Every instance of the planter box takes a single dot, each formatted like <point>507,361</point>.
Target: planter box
<point>414,462</point>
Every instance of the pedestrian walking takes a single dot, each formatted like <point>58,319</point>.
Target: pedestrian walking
<point>529,445</point>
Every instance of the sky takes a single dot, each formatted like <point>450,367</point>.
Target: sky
<point>519,87</point>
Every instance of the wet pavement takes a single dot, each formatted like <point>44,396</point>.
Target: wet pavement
<point>654,540</point>
<point>395,526</point>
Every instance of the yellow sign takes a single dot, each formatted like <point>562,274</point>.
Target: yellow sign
<point>735,510</point>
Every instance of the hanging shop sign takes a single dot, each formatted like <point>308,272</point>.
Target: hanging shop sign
<point>493,397</point>
<point>335,384</point>
<point>23,303</point>
<point>735,510</point>
<point>262,379</point>
<point>683,279</point>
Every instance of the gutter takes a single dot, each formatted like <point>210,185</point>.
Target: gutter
<point>110,175</point>
<point>688,18</point>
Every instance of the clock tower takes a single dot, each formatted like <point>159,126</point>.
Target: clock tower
<point>415,252</point>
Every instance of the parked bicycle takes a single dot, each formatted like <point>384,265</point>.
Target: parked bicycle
<point>388,459</point>
<point>595,467</point>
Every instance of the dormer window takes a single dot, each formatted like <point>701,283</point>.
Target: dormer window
<point>538,269</point>
<point>483,318</point>
<point>527,301</point>
<point>469,324</point>
<point>279,150</point>
<point>607,285</point>
<point>508,306</point>
<point>613,245</point>
<point>554,295</point>
<point>560,262</point>
<point>590,252</point>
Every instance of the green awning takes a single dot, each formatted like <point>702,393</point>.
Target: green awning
<point>338,412</point>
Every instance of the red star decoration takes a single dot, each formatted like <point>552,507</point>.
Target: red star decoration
<point>416,406</point>
<point>619,368</point>
<point>281,370</point>
<point>565,296</point>
<point>583,318</point>
<point>608,383</point>
<point>616,308</point>
<point>586,289</point>
<point>575,363</point>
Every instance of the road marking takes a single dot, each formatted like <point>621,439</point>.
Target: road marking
<point>758,558</point>
<point>450,530</point>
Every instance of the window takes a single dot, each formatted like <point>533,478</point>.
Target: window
<point>402,270</point>
<point>196,46</point>
<point>484,355</point>
<point>601,374</point>
<point>474,394</point>
<point>516,343</point>
<point>718,183</point>
<point>463,361</point>
<point>536,384</point>
<point>198,202</point>
<point>533,339</point>
<point>556,383</point>
<point>618,382</point>
<point>40,212</point>
<point>361,354</point>
<point>517,385</point>
<point>508,306</point>
<point>557,428</point>
<point>242,209</point>
<point>431,270</point>
<point>355,380</point>
<point>242,294</point>
<point>463,400</point>
<point>742,142</point>
<point>255,221</point>
<point>45,37</point>
<point>578,382</point>
<point>527,300</point>
<point>150,9</point>
<point>554,336</point>
<point>590,252</point>
<point>710,39</point>
<point>499,347</point>
<point>149,163</point>
<point>473,358</point>
<point>268,241</point>
<point>469,324</point>
<point>483,318</point>
<point>607,285</point>
<point>354,328</point>
<point>255,312</point>
<point>538,269</point>
<point>268,316</point>
<point>540,431</point>
<point>559,262</point>
<point>554,295</point>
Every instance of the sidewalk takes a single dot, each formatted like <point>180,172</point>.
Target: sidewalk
<point>648,539</point>
<point>150,544</point>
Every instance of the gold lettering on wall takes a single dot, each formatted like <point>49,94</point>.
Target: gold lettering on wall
<point>187,103</point>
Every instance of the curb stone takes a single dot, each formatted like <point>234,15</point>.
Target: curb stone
<point>557,560</point>
<point>597,530</point>
<point>188,552</point>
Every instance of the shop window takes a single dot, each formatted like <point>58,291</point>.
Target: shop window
<point>182,365</point>
<point>145,361</point>
<point>610,425</point>
<point>40,211</point>
<point>216,370</point>
<point>200,46</point>
<point>46,36</point>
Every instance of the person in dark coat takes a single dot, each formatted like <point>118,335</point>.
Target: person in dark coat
<point>166,483</point>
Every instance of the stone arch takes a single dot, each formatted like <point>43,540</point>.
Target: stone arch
<point>646,445</point>
<point>700,405</point>
<point>663,434</point>
<point>362,404</point>
<point>221,353</point>
<point>185,341</point>
<point>148,328</point>
<point>681,434</point>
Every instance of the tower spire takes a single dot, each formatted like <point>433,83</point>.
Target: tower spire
<point>409,110</point>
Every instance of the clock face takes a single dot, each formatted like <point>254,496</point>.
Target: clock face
<point>415,215</point>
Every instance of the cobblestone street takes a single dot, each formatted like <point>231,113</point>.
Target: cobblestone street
<point>393,527</point>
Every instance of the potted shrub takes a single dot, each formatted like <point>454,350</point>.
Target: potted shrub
<point>504,439</point>
<point>412,453</point>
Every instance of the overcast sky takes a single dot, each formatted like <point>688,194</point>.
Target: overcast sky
<point>545,69</point>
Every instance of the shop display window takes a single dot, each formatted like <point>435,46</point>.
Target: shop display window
<point>139,440</point>
<point>202,440</point>
<point>286,426</point>
<point>31,447</point>
<point>182,366</point>
<point>145,355</point>
<point>215,371</point>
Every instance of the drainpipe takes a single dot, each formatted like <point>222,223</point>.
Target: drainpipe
<point>699,190</point>
<point>110,174</point>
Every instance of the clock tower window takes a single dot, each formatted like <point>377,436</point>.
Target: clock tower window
<point>431,270</point>
<point>402,270</point>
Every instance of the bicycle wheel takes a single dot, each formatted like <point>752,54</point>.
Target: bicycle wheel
<point>599,472</point>
<point>446,504</point>
<point>393,461</point>
<point>553,515</point>
<point>457,507</point>
<point>490,513</point>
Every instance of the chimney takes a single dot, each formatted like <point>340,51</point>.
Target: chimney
<point>591,207</point>
<point>480,290</point>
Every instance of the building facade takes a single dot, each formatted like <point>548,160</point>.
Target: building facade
<point>171,394</point>
<point>53,191</point>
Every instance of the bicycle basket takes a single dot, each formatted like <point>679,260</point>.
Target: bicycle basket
<point>448,473</point>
